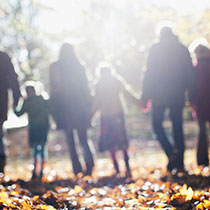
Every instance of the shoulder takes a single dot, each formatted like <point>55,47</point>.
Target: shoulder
<point>155,48</point>
<point>26,101</point>
<point>4,56</point>
<point>180,47</point>
<point>183,47</point>
<point>39,98</point>
<point>54,70</point>
<point>54,66</point>
<point>81,68</point>
<point>2,53</point>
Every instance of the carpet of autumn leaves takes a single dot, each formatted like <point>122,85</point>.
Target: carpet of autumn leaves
<point>149,188</point>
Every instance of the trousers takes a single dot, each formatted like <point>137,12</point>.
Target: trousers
<point>178,147</point>
<point>87,154</point>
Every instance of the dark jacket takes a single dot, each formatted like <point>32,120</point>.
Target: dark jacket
<point>37,109</point>
<point>202,95</point>
<point>70,95</point>
<point>8,80</point>
<point>169,73</point>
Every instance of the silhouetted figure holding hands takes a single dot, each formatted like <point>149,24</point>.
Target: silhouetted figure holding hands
<point>201,101</point>
<point>71,101</point>
<point>8,80</point>
<point>107,101</point>
<point>37,109</point>
<point>169,74</point>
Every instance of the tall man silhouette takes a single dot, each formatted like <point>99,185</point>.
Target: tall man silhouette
<point>169,75</point>
<point>8,80</point>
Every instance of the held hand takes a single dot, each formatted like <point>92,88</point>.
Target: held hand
<point>145,106</point>
<point>53,126</point>
<point>14,106</point>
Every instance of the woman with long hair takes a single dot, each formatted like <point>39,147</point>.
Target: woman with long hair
<point>71,103</point>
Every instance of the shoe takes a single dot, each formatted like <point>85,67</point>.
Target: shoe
<point>128,174</point>
<point>34,176</point>
<point>88,172</point>
<point>2,163</point>
<point>40,175</point>
<point>172,163</point>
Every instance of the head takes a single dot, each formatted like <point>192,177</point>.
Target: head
<point>66,51</point>
<point>105,70</point>
<point>30,90</point>
<point>201,51</point>
<point>165,30</point>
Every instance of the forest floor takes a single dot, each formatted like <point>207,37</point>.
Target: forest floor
<point>150,186</point>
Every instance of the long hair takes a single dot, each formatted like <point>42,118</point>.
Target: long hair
<point>67,53</point>
<point>68,59</point>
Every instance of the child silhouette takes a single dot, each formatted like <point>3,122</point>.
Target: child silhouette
<point>38,124</point>
<point>107,101</point>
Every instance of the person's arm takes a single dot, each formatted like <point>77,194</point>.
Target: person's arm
<point>128,92</point>
<point>84,82</point>
<point>12,80</point>
<point>190,75</point>
<point>53,79</point>
<point>22,109</point>
<point>148,77</point>
<point>95,105</point>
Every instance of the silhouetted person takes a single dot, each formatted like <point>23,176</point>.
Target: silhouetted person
<point>202,101</point>
<point>71,103</point>
<point>107,101</point>
<point>8,80</point>
<point>169,74</point>
<point>37,109</point>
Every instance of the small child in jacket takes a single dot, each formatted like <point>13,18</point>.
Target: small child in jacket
<point>107,101</point>
<point>201,101</point>
<point>38,125</point>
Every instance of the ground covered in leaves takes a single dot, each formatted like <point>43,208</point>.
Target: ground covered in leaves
<point>150,187</point>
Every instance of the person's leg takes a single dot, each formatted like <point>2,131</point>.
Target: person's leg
<point>77,168</point>
<point>114,160</point>
<point>42,155</point>
<point>126,159</point>
<point>2,150</point>
<point>157,120</point>
<point>35,153</point>
<point>88,157</point>
<point>177,123</point>
<point>202,148</point>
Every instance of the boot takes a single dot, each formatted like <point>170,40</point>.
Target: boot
<point>2,163</point>
<point>117,171</point>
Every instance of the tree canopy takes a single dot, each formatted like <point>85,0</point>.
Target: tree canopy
<point>105,31</point>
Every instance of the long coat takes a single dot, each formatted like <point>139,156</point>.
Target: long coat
<point>169,73</point>
<point>70,95</point>
<point>8,80</point>
<point>202,96</point>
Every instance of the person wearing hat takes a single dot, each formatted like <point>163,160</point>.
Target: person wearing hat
<point>169,75</point>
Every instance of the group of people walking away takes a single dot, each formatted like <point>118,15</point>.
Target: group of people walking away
<point>170,74</point>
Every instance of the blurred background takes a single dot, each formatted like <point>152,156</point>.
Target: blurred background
<point>120,32</point>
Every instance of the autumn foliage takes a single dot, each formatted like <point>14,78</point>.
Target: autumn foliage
<point>156,191</point>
